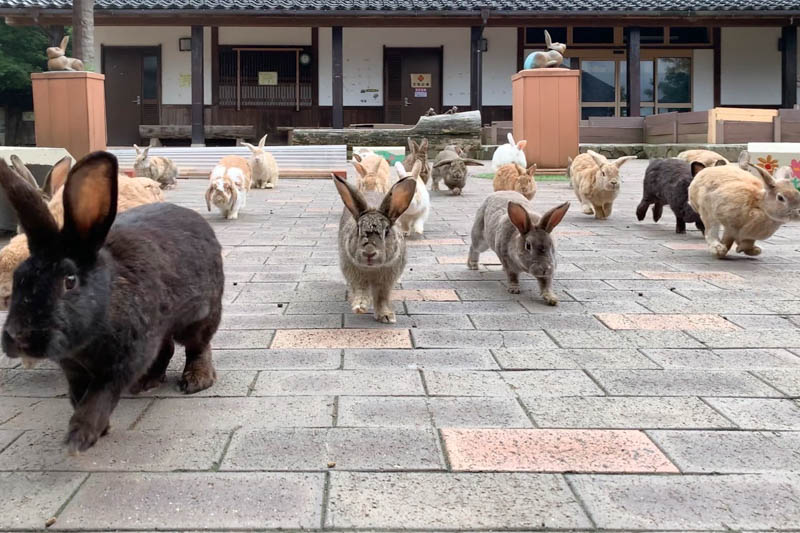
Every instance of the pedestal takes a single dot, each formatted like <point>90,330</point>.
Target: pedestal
<point>546,113</point>
<point>70,111</point>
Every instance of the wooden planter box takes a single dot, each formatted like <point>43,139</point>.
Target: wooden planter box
<point>70,111</point>
<point>546,113</point>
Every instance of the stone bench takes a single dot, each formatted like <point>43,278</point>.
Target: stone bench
<point>156,132</point>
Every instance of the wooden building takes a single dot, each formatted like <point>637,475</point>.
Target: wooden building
<point>276,64</point>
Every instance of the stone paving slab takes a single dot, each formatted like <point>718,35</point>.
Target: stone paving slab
<point>31,498</point>
<point>452,501</point>
<point>683,383</point>
<point>724,359</point>
<point>758,413</point>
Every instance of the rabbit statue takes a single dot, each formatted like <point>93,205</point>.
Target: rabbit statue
<point>57,58</point>
<point>553,57</point>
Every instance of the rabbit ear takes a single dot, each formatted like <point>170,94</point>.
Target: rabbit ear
<point>352,199</point>
<point>249,146</point>
<point>532,169</point>
<point>510,139</point>
<point>234,191</point>
<point>622,160</point>
<point>138,150</point>
<point>146,150</point>
<point>57,176</point>
<point>423,146</point>
<point>416,169</point>
<point>697,166</point>
<point>444,162</point>
<point>262,141</point>
<point>23,171</point>
<point>782,173</point>
<point>209,192</point>
<point>522,144</point>
<point>769,181</point>
<point>744,159</point>
<point>34,217</point>
<point>552,218</point>
<point>357,158</point>
<point>519,217</point>
<point>90,203</point>
<point>412,146</point>
<point>398,198</point>
<point>547,40</point>
<point>400,169</point>
<point>360,168</point>
<point>599,160</point>
<point>64,43</point>
<point>472,162</point>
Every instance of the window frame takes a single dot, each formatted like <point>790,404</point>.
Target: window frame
<point>619,40</point>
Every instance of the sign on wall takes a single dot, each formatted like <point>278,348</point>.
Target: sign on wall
<point>184,80</point>
<point>268,78</point>
<point>421,79</point>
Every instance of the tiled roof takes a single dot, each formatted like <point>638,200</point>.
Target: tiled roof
<point>638,6</point>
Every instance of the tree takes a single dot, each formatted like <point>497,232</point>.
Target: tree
<point>83,32</point>
<point>22,51</point>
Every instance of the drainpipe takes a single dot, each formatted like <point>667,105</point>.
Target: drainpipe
<point>476,62</point>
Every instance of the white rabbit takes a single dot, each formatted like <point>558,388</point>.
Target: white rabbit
<point>510,153</point>
<point>228,185</point>
<point>413,219</point>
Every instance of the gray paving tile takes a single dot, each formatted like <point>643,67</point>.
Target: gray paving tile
<point>761,321</point>
<point>463,308</point>
<point>165,450</point>
<point>485,412</point>
<point>6,362</point>
<point>691,501</point>
<point>244,339</point>
<point>350,382</point>
<point>725,359</point>
<point>750,338</point>
<point>196,500</point>
<point>273,359</point>
<point>54,413</point>
<point>31,498</point>
<point>411,321</point>
<point>785,380</point>
<point>383,449</point>
<point>623,412</point>
<point>467,359</point>
<point>452,501</point>
<point>32,383</point>
<point>465,383</point>
<point>758,413</point>
<point>573,338</point>
<point>7,436</point>
<point>522,359</point>
<point>372,411</point>
<point>551,383</point>
<point>518,322</point>
<point>225,414</point>
<point>682,383</point>
<point>444,338</point>
<point>229,383</point>
<point>272,321</point>
<point>730,452</point>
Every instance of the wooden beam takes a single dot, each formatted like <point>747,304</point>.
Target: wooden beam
<point>789,67</point>
<point>315,66</point>
<point>198,135</point>
<point>475,68</point>
<point>716,37</point>
<point>520,48</point>
<point>215,65</point>
<point>337,120</point>
<point>633,71</point>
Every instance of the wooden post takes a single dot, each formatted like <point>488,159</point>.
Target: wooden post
<point>198,133</point>
<point>634,72</point>
<point>315,67</point>
<point>337,120</point>
<point>215,65</point>
<point>789,67</point>
<point>475,68</point>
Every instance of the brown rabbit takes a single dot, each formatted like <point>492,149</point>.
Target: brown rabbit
<point>418,152</point>
<point>512,177</point>
<point>57,58</point>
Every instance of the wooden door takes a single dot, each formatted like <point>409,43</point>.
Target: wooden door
<point>133,91</point>
<point>412,83</point>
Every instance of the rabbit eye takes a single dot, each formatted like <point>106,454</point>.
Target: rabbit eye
<point>70,282</point>
<point>781,198</point>
<point>528,246</point>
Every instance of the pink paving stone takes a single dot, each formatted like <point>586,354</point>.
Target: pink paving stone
<point>686,245</point>
<point>434,242</point>
<point>574,233</point>
<point>429,295</point>
<point>664,322</point>
<point>341,338</point>
<point>554,450</point>
<point>486,259</point>
<point>719,276</point>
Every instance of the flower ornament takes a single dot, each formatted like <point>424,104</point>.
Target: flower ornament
<point>768,163</point>
<point>795,164</point>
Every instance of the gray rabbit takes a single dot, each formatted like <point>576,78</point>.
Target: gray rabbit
<point>372,250</point>
<point>507,224</point>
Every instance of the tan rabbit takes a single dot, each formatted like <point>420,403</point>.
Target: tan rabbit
<point>264,166</point>
<point>157,168</point>
<point>746,208</point>
<point>512,177</point>
<point>707,157</point>
<point>596,182</point>
<point>418,152</point>
<point>373,173</point>
<point>57,58</point>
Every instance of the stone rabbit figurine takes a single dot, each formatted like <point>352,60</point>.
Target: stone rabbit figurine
<point>57,58</point>
<point>553,57</point>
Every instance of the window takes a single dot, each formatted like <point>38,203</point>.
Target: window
<point>647,36</point>
<point>264,77</point>
<point>592,35</point>
<point>693,35</point>
<point>536,35</point>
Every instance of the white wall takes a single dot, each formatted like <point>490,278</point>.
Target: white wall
<point>174,64</point>
<point>751,66</point>
<point>325,67</point>
<point>499,64</point>
<point>702,79</point>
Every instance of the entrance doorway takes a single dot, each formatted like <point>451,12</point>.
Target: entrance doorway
<point>133,91</point>
<point>412,83</point>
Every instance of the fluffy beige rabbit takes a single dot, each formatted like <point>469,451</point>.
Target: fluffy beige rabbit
<point>157,168</point>
<point>707,157</point>
<point>746,208</point>
<point>263,165</point>
<point>373,173</point>
<point>57,58</point>
<point>596,182</point>
<point>512,177</point>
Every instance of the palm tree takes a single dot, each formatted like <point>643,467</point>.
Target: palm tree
<point>83,32</point>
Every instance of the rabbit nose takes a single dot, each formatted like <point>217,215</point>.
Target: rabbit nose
<point>11,339</point>
<point>370,255</point>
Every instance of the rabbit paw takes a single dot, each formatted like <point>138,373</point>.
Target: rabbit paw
<point>386,317</point>
<point>269,186</point>
<point>472,265</point>
<point>752,251</point>
<point>718,249</point>
<point>457,191</point>
<point>81,436</point>
<point>197,377</point>
<point>588,210</point>
<point>550,298</point>
<point>513,289</point>
<point>360,305</point>
<point>146,383</point>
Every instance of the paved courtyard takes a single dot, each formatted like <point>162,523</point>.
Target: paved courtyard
<point>661,394</point>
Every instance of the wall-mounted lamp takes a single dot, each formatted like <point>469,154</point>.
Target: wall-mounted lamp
<point>185,44</point>
<point>483,45</point>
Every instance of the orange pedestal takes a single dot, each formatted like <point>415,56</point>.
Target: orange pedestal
<point>70,111</point>
<point>546,113</point>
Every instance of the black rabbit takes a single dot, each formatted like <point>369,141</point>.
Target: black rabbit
<point>107,303</point>
<point>666,181</point>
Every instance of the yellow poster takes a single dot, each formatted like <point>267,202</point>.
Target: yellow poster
<point>421,79</point>
<point>268,78</point>
<point>185,80</point>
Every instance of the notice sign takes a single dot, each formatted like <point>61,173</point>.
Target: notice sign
<point>184,80</point>
<point>268,78</point>
<point>421,79</point>
<point>420,92</point>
